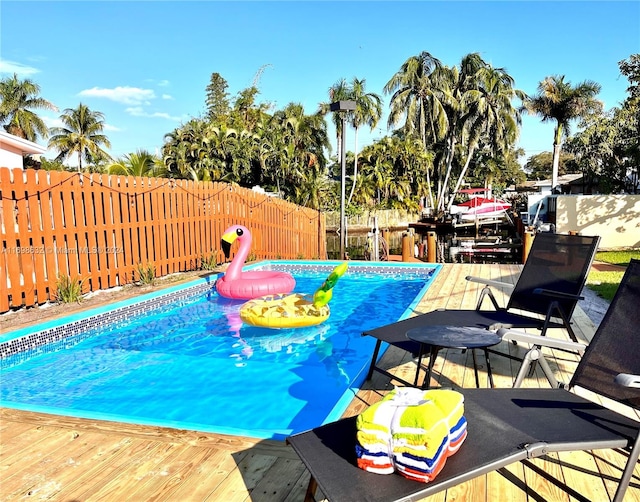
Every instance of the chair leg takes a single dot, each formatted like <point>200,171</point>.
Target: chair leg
<point>628,471</point>
<point>527,362</point>
<point>546,369</point>
<point>310,495</point>
<point>489,372</point>
<point>418,365</point>
<point>374,359</point>
<point>432,359</point>
<point>532,357</point>
<point>475,368</point>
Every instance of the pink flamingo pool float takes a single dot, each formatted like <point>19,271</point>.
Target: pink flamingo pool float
<point>241,285</point>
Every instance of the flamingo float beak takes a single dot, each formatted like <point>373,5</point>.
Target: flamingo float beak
<point>228,239</point>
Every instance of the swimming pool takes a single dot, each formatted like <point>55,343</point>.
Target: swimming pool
<point>183,358</point>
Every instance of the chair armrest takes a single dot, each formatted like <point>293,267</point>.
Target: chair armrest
<point>542,341</point>
<point>488,282</point>
<point>557,294</point>
<point>628,380</point>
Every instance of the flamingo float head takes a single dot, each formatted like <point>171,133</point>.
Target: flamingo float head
<point>230,236</point>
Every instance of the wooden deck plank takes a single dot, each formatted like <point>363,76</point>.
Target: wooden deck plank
<point>273,487</point>
<point>540,475</point>
<point>212,471</point>
<point>60,458</point>
<point>575,467</point>
<point>242,479</point>
<point>53,463</point>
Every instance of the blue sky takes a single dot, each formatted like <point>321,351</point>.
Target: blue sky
<point>145,65</point>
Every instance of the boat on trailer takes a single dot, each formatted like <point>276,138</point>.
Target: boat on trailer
<point>479,206</point>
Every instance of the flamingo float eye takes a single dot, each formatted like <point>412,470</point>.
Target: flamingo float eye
<point>239,232</point>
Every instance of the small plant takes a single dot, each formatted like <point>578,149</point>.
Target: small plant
<point>252,257</point>
<point>68,289</point>
<point>300,256</point>
<point>208,262</point>
<point>147,274</point>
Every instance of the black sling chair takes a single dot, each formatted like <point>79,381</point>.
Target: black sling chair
<point>545,296</point>
<point>509,425</point>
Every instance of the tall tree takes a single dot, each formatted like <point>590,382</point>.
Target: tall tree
<point>415,98</point>
<point>337,92</point>
<point>81,134</point>
<point>630,68</point>
<point>18,99</point>
<point>560,102</point>
<point>452,109</point>
<point>491,117</point>
<point>217,100</point>
<point>540,166</point>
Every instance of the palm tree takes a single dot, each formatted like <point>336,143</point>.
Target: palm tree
<point>81,134</point>
<point>140,163</point>
<point>337,92</point>
<point>415,98</point>
<point>492,118</point>
<point>297,142</point>
<point>557,100</point>
<point>368,111</point>
<point>17,99</point>
<point>459,91</point>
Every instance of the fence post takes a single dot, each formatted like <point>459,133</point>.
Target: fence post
<point>407,247</point>
<point>432,245</point>
<point>526,246</point>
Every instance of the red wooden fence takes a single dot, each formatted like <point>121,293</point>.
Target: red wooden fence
<point>101,229</point>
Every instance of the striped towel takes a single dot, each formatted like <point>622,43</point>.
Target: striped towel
<point>411,431</point>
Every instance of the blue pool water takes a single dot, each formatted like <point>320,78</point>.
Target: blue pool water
<point>193,364</point>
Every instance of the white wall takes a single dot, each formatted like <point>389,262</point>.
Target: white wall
<point>10,158</point>
<point>615,218</point>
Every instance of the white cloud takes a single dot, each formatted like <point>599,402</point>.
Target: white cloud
<point>167,96</point>
<point>52,121</point>
<point>158,83</point>
<point>126,95</point>
<point>21,70</point>
<point>138,111</point>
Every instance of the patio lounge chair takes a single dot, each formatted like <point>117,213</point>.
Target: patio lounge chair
<point>510,425</point>
<point>545,296</point>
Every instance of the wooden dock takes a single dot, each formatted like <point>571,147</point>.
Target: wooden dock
<point>46,457</point>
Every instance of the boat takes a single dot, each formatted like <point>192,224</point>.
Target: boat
<point>479,207</point>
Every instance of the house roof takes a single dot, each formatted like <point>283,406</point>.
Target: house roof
<point>25,146</point>
<point>562,180</point>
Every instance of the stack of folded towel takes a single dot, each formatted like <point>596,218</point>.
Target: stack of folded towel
<point>412,431</point>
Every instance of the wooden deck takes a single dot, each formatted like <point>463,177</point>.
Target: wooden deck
<point>46,457</point>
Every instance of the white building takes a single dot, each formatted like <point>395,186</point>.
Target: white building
<point>14,148</point>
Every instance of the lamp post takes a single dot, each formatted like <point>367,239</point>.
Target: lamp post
<point>343,106</point>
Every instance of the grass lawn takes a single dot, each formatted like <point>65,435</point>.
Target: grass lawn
<point>606,283</point>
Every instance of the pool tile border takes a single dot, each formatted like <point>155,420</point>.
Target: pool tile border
<point>55,338</point>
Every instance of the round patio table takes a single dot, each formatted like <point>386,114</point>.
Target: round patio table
<point>454,337</point>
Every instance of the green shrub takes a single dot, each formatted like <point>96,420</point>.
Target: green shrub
<point>68,289</point>
<point>147,274</point>
<point>208,262</point>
